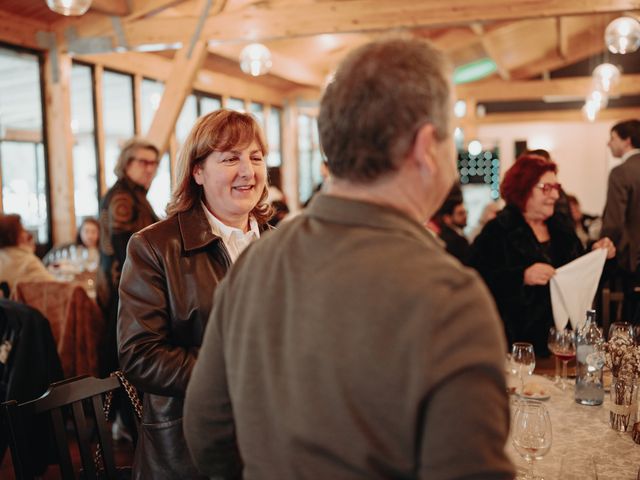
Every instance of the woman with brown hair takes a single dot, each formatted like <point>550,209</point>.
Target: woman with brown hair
<point>18,261</point>
<point>172,270</point>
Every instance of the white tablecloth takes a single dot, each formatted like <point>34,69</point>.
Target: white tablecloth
<point>583,431</point>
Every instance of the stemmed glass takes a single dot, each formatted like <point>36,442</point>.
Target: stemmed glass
<point>524,360</point>
<point>562,344</point>
<point>623,329</point>
<point>531,433</point>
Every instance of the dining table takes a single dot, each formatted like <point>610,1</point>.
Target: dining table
<point>580,433</point>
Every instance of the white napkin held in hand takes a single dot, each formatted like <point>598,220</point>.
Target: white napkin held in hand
<point>573,287</point>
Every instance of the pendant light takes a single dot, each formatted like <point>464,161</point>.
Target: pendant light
<point>69,7</point>
<point>622,35</point>
<point>255,59</point>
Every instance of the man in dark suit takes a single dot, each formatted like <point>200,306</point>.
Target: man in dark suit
<point>453,218</point>
<point>621,217</point>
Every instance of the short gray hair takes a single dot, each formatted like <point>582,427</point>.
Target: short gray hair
<point>128,152</point>
<point>382,93</point>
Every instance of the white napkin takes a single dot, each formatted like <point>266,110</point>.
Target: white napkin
<point>573,287</point>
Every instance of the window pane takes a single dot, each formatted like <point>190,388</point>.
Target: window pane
<point>258,111</point>
<point>24,179</point>
<point>235,104</point>
<point>160,191</point>
<point>118,118</point>
<point>187,118</point>
<point>85,181</point>
<point>151,94</point>
<point>209,104</point>
<point>305,184</point>
<point>24,185</point>
<point>273,138</point>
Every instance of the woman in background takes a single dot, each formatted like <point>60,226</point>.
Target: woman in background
<point>88,237</point>
<point>18,262</point>
<point>518,251</point>
<point>172,269</point>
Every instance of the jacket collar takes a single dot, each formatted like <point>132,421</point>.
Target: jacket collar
<point>354,212</point>
<point>195,229</point>
<point>133,186</point>
<point>521,236</point>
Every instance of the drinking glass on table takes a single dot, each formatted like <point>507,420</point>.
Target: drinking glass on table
<point>523,359</point>
<point>562,344</point>
<point>531,433</point>
<point>621,329</point>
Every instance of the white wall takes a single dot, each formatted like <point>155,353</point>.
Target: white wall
<point>579,149</point>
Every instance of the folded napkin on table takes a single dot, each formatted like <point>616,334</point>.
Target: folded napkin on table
<point>573,287</point>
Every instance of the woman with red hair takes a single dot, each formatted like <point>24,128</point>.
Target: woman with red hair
<point>518,251</point>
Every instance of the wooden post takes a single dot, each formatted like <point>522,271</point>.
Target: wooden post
<point>60,142</point>
<point>178,86</point>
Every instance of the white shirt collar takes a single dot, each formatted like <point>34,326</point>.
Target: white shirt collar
<point>630,153</point>
<point>235,240</point>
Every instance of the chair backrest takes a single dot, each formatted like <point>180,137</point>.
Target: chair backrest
<point>83,397</point>
<point>76,322</point>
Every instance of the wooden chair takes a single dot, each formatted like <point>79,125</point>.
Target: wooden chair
<point>83,396</point>
<point>611,299</point>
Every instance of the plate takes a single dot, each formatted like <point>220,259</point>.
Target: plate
<point>535,396</point>
<point>535,391</point>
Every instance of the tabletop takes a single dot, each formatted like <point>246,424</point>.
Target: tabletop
<point>582,432</point>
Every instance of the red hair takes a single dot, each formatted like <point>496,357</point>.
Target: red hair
<point>520,179</point>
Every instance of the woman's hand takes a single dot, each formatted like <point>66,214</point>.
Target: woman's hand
<point>538,274</point>
<point>605,242</point>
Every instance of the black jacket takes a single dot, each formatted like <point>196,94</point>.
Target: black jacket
<point>504,249</point>
<point>27,371</point>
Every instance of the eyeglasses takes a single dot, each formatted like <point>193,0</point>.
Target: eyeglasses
<point>547,187</point>
<point>147,163</point>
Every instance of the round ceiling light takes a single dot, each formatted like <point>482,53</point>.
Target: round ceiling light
<point>623,35</point>
<point>255,59</point>
<point>605,76</point>
<point>69,7</point>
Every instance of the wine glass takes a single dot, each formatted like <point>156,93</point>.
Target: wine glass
<point>550,341</point>
<point>621,329</point>
<point>562,344</point>
<point>531,433</point>
<point>524,360</point>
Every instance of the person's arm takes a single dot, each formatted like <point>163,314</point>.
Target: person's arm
<point>148,357</point>
<point>465,424</point>
<point>209,427</point>
<point>121,215</point>
<point>613,217</point>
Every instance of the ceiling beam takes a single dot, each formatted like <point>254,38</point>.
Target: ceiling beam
<point>208,81</point>
<point>283,66</point>
<point>20,31</point>
<point>261,20</point>
<point>608,114</point>
<point>498,90</point>
<point>563,37</point>
<point>491,49</point>
<point>111,7</point>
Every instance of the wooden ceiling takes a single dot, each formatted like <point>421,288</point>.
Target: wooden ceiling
<point>307,38</point>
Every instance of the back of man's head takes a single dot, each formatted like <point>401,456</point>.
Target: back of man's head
<point>628,129</point>
<point>381,95</point>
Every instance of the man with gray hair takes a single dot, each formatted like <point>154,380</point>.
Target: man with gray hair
<point>348,344</point>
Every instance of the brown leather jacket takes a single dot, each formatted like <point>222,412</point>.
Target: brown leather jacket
<point>166,293</point>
